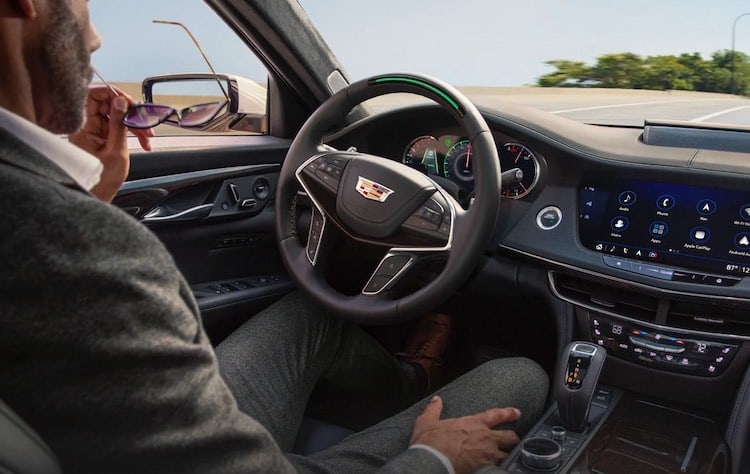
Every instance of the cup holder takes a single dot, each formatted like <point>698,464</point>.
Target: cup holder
<point>541,454</point>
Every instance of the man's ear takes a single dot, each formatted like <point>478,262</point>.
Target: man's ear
<point>23,9</point>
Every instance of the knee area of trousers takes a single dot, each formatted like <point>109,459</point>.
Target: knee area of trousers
<point>515,370</point>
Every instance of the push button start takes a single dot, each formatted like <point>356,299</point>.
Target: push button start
<point>549,218</point>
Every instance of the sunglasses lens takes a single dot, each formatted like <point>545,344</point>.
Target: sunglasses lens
<point>197,115</point>
<point>146,115</point>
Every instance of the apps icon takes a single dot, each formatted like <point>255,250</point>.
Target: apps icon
<point>658,229</point>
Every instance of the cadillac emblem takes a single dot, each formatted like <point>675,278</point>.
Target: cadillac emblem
<point>372,190</point>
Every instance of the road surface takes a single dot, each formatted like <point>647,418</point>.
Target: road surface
<point>607,106</point>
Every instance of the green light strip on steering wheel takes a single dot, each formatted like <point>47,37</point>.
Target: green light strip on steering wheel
<point>424,85</point>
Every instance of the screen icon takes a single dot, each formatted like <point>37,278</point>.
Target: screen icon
<point>665,202</point>
<point>700,235</point>
<point>742,241</point>
<point>745,212</point>
<point>658,229</point>
<point>706,207</point>
<point>627,198</point>
<point>619,224</point>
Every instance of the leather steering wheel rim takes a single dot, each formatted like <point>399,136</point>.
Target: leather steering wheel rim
<point>470,231</point>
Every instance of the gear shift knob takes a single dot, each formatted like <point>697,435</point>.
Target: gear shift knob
<point>577,376</point>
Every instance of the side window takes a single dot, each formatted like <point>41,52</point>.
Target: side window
<point>151,39</point>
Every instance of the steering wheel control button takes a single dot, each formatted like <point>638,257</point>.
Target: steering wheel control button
<point>549,218</point>
<point>433,216</point>
<point>392,265</point>
<point>326,169</point>
<point>376,284</point>
<point>317,224</point>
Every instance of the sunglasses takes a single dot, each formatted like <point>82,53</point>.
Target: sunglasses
<point>147,115</point>
<point>142,116</point>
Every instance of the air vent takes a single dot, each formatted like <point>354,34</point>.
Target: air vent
<point>725,317</point>
<point>611,299</point>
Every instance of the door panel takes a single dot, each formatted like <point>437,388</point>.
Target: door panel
<point>213,208</point>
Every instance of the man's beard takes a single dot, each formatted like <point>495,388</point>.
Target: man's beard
<point>67,62</point>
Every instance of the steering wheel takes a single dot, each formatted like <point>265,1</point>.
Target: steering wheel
<point>384,204</point>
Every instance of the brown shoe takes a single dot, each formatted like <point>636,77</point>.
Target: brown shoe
<point>427,346</point>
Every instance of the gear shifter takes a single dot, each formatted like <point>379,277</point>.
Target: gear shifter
<point>578,373</point>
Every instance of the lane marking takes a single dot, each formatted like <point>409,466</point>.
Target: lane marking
<point>614,106</point>
<point>716,114</point>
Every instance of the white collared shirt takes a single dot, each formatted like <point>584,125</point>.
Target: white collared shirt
<point>84,168</point>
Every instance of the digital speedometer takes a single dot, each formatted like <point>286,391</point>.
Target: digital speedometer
<point>458,165</point>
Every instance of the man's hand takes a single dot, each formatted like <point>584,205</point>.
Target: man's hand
<point>104,136</point>
<point>469,442</point>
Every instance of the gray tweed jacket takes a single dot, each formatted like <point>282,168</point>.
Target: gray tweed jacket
<point>102,350</point>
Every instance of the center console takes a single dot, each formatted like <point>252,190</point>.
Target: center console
<point>602,429</point>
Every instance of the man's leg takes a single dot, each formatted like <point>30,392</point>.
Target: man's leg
<point>273,362</point>
<point>514,382</point>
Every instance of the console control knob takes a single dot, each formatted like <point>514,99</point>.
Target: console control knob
<point>559,433</point>
<point>541,453</point>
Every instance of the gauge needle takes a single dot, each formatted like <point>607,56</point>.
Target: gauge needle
<point>518,156</point>
<point>428,157</point>
<point>468,155</point>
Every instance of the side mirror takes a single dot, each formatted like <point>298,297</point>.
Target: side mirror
<point>203,104</point>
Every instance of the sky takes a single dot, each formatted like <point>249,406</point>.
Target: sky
<point>465,43</point>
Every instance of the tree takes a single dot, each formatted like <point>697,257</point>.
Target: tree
<point>618,70</point>
<point>666,73</point>
<point>722,60</point>
<point>688,71</point>
<point>568,74</point>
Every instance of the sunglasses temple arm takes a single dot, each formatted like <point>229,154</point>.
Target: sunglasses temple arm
<point>104,81</point>
<point>205,58</point>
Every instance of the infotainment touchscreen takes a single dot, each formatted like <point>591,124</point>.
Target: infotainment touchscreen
<point>678,226</point>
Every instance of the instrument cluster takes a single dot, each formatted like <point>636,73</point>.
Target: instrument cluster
<point>451,157</point>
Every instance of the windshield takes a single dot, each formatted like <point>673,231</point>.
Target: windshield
<point>614,63</point>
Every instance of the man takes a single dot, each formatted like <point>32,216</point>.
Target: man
<point>101,346</point>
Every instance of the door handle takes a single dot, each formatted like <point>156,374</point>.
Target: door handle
<point>160,214</point>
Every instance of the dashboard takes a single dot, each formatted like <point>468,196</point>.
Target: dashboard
<point>650,245</point>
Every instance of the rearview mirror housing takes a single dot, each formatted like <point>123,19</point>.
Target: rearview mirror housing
<point>242,109</point>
